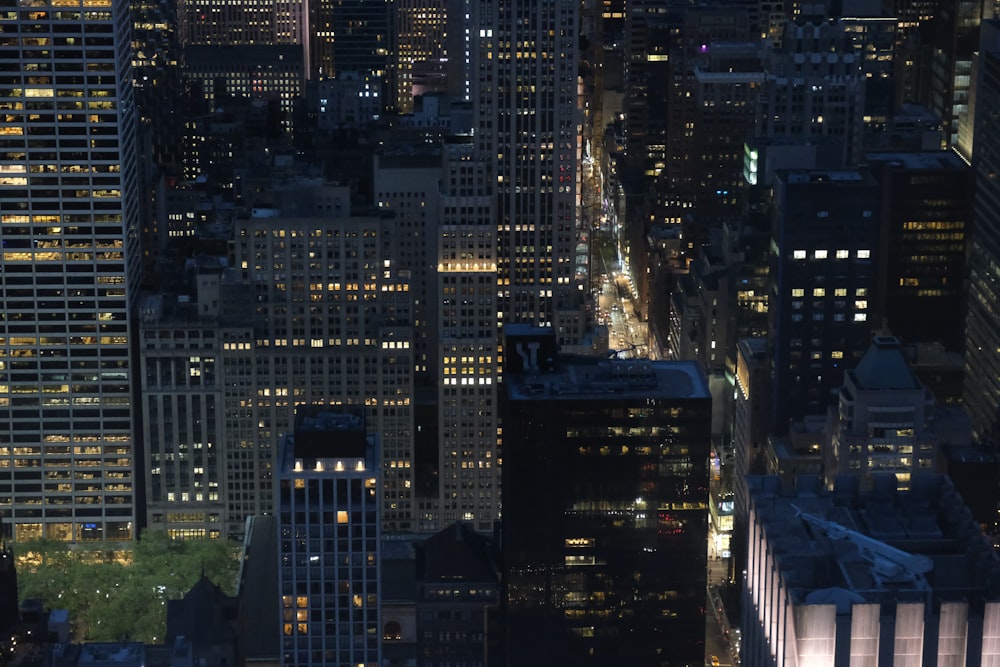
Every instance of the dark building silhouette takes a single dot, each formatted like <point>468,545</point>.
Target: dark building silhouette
<point>824,244</point>
<point>206,619</point>
<point>926,211</point>
<point>458,590</point>
<point>9,615</point>
<point>982,341</point>
<point>605,515</point>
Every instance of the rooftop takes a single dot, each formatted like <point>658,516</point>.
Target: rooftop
<point>883,367</point>
<point>921,160</point>
<point>580,377</point>
<point>927,531</point>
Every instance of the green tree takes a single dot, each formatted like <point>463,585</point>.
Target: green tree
<point>111,595</point>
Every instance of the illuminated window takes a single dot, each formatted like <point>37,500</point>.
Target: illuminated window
<point>860,317</point>
<point>864,254</point>
<point>819,291</point>
<point>843,254</point>
<point>341,516</point>
<point>820,254</point>
<point>798,292</point>
<point>799,254</point>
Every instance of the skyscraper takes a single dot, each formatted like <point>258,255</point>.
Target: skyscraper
<point>982,335</point>
<point>419,49</point>
<point>526,104</point>
<point>349,36</point>
<point>926,211</point>
<point>328,536</point>
<point>605,512</point>
<point>824,241</point>
<point>467,354</point>
<point>333,327</point>
<point>68,227</point>
<point>227,23</point>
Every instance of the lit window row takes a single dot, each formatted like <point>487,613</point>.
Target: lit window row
<point>825,254</point>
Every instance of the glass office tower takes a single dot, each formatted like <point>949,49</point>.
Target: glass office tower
<point>605,507</point>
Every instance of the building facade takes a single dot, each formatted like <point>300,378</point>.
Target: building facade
<point>926,215</point>
<point>605,507</point>
<point>69,212</point>
<point>468,355</point>
<point>332,327</point>
<point>329,542</point>
<point>982,336</point>
<point>527,131</point>
<point>882,422</point>
<point>825,231</point>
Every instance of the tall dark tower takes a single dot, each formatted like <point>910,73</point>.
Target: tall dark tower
<point>982,325</point>
<point>926,211</point>
<point>349,36</point>
<point>824,244</point>
<point>605,519</point>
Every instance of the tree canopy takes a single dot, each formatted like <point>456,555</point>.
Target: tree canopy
<point>115,591</point>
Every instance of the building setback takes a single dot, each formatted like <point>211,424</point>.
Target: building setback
<point>68,227</point>
<point>605,507</point>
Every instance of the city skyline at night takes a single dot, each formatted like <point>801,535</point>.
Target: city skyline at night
<point>596,282</point>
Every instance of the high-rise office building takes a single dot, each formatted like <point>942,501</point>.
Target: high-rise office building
<point>329,570</point>
<point>468,354</point>
<point>982,333</point>
<point>815,88</point>
<point>332,327</point>
<point>926,216</point>
<point>824,244</point>
<point>349,36</point>
<point>420,56</point>
<point>69,214</point>
<point>252,71</point>
<point>527,126</point>
<point>227,23</point>
<point>407,185</point>
<point>605,507</point>
<point>955,36</point>
<point>187,363</point>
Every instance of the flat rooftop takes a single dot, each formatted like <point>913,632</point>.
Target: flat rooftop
<point>945,160</point>
<point>929,520</point>
<point>588,378</point>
